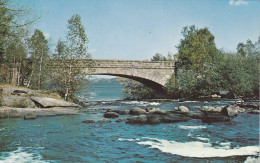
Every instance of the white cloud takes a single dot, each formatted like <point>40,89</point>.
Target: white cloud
<point>92,50</point>
<point>237,2</point>
<point>47,35</point>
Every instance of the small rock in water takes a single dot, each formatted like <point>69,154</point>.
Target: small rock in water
<point>104,121</point>
<point>88,121</point>
<point>120,120</point>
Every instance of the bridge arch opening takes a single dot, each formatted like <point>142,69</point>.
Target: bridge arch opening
<point>149,83</point>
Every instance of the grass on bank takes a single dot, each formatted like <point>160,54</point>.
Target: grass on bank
<point>39,93</point>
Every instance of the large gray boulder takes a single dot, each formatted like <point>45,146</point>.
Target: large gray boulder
<point>254,111</point>
<point>121,112</point>
<point>155,111</point>
<point>195,115</point>
<point>211,109</point>
<point>46,102</point>
<point>174,118</point>
<point>214,117</point>
<point>181,109</point>
<point>230,110</point>
<point>141,119</point>
<point>137,111</point>
<point>154,119</point>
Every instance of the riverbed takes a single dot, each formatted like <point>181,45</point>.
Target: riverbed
<point>67,139</point>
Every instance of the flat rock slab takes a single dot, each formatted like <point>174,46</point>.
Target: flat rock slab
<point>46,102</point>
<point>8,112</point>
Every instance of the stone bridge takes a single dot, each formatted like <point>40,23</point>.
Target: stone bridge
<point>153,74</point>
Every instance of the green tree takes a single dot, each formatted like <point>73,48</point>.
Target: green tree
<point>70,54</point>
<point>39,50</point>
<point>158,57</point>
<point>5,22</point>
<point>197,59</point>
<point>14,25</point>
<point>16,53</point>
<point>197,51</point>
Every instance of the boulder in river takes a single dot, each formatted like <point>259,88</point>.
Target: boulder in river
<point>211,109</point>
<point>111,115</point>
<point>120,120</point>
<point>105,120</point>
<point>137,111</point>
<point>88,121</point>
<point>182,109</point>
<point>173,118</point>
<point>195,115</point>
<point>155,111</point>
<point>254,111</point>
<point>121,112</point>
<point>154,119</point>
<point>214,117</point>
<point>141,119</point>
<point>230,110</point>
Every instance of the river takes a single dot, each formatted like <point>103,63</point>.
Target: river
<point>66,139</point>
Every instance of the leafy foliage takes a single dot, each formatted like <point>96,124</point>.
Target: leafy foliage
<point>204,70</point>
<point>158,57</point>
<point>68,77</point>
<point>39,50</point>
<point>22,103</point>
<point>136,91</point>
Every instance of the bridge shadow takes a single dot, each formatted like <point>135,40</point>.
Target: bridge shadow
<point>158,88</point>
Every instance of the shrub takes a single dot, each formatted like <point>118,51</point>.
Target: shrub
<point>22,103</point>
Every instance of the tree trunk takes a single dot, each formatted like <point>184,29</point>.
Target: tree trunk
<point>39,77</point>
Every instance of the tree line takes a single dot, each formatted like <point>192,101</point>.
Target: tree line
<point>204,70</point>
<point>25,54</point>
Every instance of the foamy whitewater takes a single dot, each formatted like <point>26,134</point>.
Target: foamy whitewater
<point>198,149</point>
<point>20,156</point>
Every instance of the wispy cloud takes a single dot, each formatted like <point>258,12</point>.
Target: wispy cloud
<point>237,2</point>
<point>92,50</point>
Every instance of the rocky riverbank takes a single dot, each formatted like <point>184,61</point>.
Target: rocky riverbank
<point>153,116</point>
<point>16,102</point>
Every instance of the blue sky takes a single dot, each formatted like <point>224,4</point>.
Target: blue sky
<point>137,29</point>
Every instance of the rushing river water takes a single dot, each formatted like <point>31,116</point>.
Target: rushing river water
<point>66,139</point>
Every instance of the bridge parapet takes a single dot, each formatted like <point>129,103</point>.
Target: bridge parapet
<point>133,64</point>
